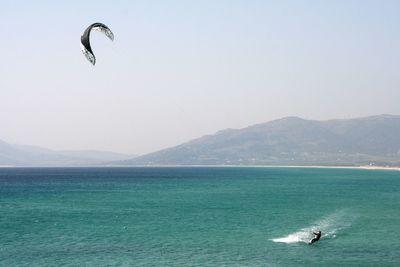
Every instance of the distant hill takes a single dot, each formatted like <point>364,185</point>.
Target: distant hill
<point>22,155</point>
<point>290,141</point>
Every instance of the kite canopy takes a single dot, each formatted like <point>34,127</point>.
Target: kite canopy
<point>85,39</point>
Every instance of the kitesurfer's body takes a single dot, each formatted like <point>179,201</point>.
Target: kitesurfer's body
<point>316,237</point>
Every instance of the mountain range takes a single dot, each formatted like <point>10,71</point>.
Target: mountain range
<point>371,140</point>
<point>23,155</point>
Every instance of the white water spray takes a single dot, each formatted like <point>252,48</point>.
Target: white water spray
<point>329,226</point>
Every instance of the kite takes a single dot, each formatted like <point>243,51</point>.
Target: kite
<point>85,39</point>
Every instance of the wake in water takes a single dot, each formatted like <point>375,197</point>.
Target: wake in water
<point>329,226</point>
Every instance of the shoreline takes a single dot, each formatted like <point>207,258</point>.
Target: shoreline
<point>367,167</point>
<point>361,167</point>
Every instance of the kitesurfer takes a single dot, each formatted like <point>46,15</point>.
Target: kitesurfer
<point>316,237</point>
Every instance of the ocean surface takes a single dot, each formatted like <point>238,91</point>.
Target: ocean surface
<point>198,217</point>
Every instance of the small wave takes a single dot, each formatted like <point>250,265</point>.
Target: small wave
<point>329,226</point>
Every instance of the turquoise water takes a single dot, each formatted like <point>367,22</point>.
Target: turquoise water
<point>198,217</point>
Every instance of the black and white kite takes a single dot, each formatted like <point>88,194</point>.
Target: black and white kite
<point>85,39</point>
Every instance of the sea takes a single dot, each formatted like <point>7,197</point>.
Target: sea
<point>199,216</point>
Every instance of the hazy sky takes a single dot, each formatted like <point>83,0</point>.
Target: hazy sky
<point>178,70</point>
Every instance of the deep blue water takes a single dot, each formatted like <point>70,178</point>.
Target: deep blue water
<point>198,217</point>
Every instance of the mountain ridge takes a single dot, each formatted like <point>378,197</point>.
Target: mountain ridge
<point>290,141</point>
<point>26,155</point>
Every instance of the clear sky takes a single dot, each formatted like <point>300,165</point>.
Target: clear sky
<point>178,70</point>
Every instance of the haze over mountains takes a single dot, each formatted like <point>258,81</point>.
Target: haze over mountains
<point>290,141</point>
<point>22,155</point>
